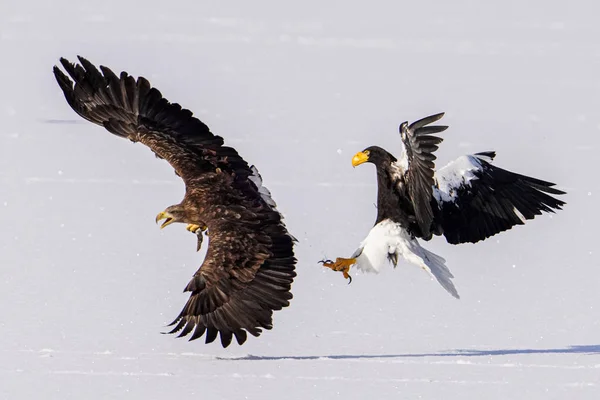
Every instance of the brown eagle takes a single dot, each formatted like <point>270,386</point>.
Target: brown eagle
<point>250,265</point>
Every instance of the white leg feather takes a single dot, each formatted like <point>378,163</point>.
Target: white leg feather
<point>388,237</point>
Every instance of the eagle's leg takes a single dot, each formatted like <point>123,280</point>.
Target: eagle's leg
<point>340,264</point>
<point>198,230</point>
<point>194,228</point>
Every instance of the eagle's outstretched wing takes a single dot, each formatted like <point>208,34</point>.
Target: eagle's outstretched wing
<point>135,110</point>
<point>477,199</point>
<point>416,166</point>
<point>246,275</point>
<point>249,267</point>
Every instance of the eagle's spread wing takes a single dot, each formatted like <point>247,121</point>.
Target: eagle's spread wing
<point>477,200</point>
<point>246,275</point>
<point>416,165</point>
<point>250,263</point>
<point>135,110</point>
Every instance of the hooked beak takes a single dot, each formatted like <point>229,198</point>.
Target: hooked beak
<point>359,158</point>
<point>166,216</point>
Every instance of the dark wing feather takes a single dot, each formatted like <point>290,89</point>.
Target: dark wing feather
<point>477,200</point>
<point>133,109</point>
<point>249,267</point>
<point>246,275</point>
<point>418,166</point>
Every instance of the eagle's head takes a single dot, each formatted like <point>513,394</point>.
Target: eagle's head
<point>176,213</point>
<point>375,155</point>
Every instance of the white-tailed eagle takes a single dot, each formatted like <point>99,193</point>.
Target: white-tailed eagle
<point>250,265</point>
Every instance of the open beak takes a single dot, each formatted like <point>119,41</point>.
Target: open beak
<point>166,216</point>
<point>359,158</point>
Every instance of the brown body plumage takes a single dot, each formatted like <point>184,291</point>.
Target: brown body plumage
<point>249,266</point>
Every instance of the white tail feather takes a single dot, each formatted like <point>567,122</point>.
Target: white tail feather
<point>436,266</point>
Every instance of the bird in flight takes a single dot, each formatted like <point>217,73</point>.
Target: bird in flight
<point>467,201</point>
<point>249,266</point>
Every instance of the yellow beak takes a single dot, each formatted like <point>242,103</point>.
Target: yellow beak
<point>359,158</point>
<point>166,216</point>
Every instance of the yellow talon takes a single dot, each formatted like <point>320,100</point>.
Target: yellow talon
<point>195,228</point>
<point>341,264</point>
<point>198,230</point>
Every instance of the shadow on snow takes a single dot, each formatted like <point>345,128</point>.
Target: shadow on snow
<point>577,349</point>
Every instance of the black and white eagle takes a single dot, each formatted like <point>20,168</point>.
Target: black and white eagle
<point>250,264</point>
<point>468,200</point>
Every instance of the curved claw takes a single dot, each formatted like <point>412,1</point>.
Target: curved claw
<point>341,265</point>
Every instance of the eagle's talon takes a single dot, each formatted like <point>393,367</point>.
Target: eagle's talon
<point>198,230</point>
<point>326,262</point>
<point>341,265</point>
<point>347,276</point>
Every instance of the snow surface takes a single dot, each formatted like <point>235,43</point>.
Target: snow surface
<point>88,281</point>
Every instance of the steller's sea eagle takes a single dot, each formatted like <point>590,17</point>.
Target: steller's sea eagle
<point>466,201</point>
<point>250,265</point>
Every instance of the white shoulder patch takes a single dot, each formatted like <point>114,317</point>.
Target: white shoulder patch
<point>401,165</point>
<point>484,157</point>
<point>457,174</point>
<point>398,170</point>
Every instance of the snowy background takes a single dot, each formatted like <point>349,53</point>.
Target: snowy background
<point>88,281</point>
